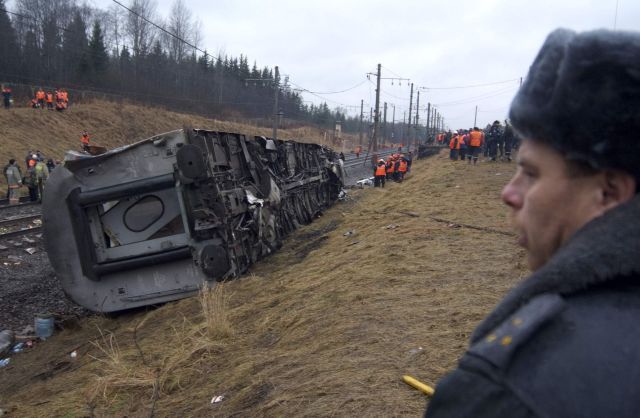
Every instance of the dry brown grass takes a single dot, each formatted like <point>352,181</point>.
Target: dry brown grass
<point>329,324</point>
<point>214,302</point>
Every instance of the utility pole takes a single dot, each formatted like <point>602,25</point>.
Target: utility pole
<point>409,127</point>
<point>384,124</point>
<point>376,117</point>
<point>475,117</point>
<point>404,123</point>
<point>276,84</point>
<point>361,117</point>
<point>428,121</point>
<point>393,125</point>
<point>417,116</point>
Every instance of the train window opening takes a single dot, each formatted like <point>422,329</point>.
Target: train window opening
<point>143,213</point>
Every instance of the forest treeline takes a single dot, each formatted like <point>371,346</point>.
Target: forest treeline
<point>65,43</point>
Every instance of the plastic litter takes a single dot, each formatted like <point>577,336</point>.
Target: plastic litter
<point>31,250</point>
<point>349,233</point>
<point>18,348</point>
<point>5,362</point>
<point>391,226</point>
<point>416,350</point>
<point>217,399</point>
<point>73,354</point>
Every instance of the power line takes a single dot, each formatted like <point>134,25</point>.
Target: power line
<point>164,30</point>
<point>484,96</point>
<point>471,85</point>
<point>336,92</point>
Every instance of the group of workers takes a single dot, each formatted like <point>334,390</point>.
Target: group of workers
<point>59,100</point>
<point>36,175</point>
<point>495,142</point>
<point>394,168</point>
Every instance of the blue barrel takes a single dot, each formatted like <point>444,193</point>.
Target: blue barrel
<point>44,326</point>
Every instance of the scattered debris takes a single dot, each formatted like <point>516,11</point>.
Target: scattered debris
<point>73,354</point>
<point>451,224</point>
<point>342,195</point>
<point>391,226</point>
<point>29,240</point>
<point>364,182</point>
<point>31,250</point>
<point>416,350</point>
<point>217,399</point>
<point>349,233</point>
<point>353,243</point>
<point>427,390</point>
<point>18,348</point>
<point>2,248</point>
<point>6,340</point>
<point>412,214</point>
<point>14,258</point>
<point>5,362</point>
<point>498,174</point>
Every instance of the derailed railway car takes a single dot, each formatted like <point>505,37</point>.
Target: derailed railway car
<point>150,222</point>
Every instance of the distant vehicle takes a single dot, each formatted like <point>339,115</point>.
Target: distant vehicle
<point>150,222</point>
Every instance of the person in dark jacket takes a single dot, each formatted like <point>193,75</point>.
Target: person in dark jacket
<point>565,341</point>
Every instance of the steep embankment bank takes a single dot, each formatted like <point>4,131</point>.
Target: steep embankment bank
<point>110,125</point>
<point>380,286</point>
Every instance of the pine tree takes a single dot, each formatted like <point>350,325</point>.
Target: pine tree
<point>98,54</point>
<point>9,51</point>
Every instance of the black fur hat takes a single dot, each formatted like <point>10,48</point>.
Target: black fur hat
<point>582,97</point>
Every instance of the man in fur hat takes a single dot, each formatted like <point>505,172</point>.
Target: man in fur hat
<point>565,341</point>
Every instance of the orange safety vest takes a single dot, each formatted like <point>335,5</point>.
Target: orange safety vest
<point>49,98</point>
<point>403,166</point>
<point>381,170</point>
<point>390,168</point>
<point>40,95</point>
<point>85,139</point>
<point>476,138</point>
<point>455,142</point>
<point>65,96</point>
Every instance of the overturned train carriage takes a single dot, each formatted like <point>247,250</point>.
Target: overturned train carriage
<point>150,222</point>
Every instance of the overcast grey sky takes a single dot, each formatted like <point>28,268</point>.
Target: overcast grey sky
<point>330,45</point>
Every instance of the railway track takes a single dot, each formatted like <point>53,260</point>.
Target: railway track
<point>21,220</point>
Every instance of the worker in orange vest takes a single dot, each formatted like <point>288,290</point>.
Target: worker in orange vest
<point>85,141</point>
<point>402,168</point>
<point>49,100</point>
<point>379,173</point>
<point>390,167</point>
<point>40,98</point>
<point>454,147</point>
<point>476,140</point>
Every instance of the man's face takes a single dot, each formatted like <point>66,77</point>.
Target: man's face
<point>547,206</point>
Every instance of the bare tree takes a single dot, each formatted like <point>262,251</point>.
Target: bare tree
<point>141,33</point>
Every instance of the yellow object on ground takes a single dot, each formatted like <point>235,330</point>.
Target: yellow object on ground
<point>428,390</point>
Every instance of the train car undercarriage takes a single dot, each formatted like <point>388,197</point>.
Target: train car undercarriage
<point>150,222</point>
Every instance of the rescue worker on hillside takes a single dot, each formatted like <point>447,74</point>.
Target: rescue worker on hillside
<point>564,342</point>
<point>6,96</point>
<point>42,173</point>
<point>31,180</point>
<point>391,167</point>
<point>380,174</point>
<point>49,99</point>
<point>463,138</point>
<point>402,168</point>
<point>84,139</point>
<point>454,147</point>
<point>493,138</point>
<point>508,140</point>
<point>40,97</point>
<point>476,140</point>
<point>14,181</point>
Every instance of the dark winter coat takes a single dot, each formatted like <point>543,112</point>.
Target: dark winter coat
<point>566,341</point>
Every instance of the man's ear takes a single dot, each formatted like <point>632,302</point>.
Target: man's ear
<point>618,187</point>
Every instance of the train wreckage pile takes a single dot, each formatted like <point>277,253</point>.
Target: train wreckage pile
<point>150,222</point>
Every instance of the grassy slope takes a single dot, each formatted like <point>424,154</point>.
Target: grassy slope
<point>321,328</point>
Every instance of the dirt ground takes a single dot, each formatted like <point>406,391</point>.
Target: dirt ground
<point>390,282</point>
